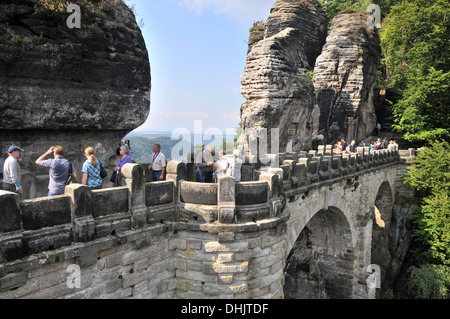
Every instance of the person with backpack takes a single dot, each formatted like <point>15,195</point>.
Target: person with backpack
<point>91,170</point>
<point>59,170</point>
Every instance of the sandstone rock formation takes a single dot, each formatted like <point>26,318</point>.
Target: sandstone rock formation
<point>305,15</point>
<point>345,79</point>
<point>277,82</point>
<point>73,87</point>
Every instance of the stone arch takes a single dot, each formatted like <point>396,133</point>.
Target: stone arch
<point>384,228</point>
<point>383,204</point>
<point>320,264</point>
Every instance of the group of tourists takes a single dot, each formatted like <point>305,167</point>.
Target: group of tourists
<point>210,167</point>
<point>259,23</point>
<point>342,148</point>
<point>381,145</point>
<point>62,172</point>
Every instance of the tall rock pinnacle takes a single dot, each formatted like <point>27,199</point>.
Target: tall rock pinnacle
<point>345,79</point>
<point>305,15</point>
<point>277,81</point>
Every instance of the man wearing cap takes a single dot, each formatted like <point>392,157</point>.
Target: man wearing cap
<point>11,171</point>
<point>58,170</point>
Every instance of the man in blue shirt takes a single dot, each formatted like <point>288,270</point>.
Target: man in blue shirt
<point>58,170</point>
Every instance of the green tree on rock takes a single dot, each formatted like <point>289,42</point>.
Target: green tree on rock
<point>431,178</point>
<point>333,7</point>
<point>414,39</point>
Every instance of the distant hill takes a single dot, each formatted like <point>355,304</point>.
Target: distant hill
<point>142,143</point>
<point>142,147</point>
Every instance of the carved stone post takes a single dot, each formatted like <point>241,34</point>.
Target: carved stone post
<point>321,150</point>
<point>176,171</point>
<point>276,171</point>
<point>275,194</point>
<point>81,211</point>
<point>134,177</point>
<point>336,165</point>
<point>11,246</point>
<point>226,200</point>
<point>325,166</point>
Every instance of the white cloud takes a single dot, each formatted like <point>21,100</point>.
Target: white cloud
<point>234,116</point>
<point>185,115</point>
<point>235,90</point>
<point>239,10</point>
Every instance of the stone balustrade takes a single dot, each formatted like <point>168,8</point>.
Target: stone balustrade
<point>174,238</point>
<point>83,215</point>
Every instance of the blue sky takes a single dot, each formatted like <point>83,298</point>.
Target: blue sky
<point>197,51</point>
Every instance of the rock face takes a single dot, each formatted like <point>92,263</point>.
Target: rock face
<point>305,15</point>
<point>277,81</point>
<point>73,87</point>
<point>345,79</point>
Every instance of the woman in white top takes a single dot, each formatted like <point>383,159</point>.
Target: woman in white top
<point>236,165</point>
<point>221,166</point>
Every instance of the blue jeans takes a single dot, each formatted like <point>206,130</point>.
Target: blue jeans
<point>155,176</point>
<point>203,177</point>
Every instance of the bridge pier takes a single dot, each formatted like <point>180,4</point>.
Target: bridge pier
<point>239,261</point>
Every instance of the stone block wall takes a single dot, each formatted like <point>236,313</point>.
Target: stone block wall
<point>134,264</point>
<point>238,261</point>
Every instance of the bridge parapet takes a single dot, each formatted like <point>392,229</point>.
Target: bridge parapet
<point>83,215</point>
<point>177,238</point>
<point>307,168</point>
<point>267,180</point>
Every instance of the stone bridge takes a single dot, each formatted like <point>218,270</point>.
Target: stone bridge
<point>309,227</point>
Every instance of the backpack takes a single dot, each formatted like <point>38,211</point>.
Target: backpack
<point>103,172</point>
<point>70,175</point>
